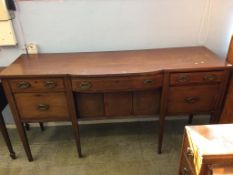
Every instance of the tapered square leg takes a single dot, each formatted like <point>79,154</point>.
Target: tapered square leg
<point>6,137</point>
<point>23,137</point>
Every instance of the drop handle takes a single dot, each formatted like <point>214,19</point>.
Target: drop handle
<point>191,100</point>
<point>42,107</point>
<point>185,171</point>
<point>50,84</point>
<point>189,152</point>
<point>210,77</point>
<point>23,85</point>
<point>85,85</point>
<point>148,81</point>
<point>182,78</point>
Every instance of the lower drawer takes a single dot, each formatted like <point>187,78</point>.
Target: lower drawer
<point>48,106</point>
<point>192,99</point>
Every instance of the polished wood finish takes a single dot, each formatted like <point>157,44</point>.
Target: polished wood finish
<point>196,77</point>
<point>35,85</point>
<point>221,170</point>
<point>146,102</point>
<point>32,107</point>
<point>198,96</point>
<point>205,147</point>
<point>90,105</point>
<point>118,104</point>
<point>115,84</point>
<point>121,63</point>
<point>192,99</point>
<point>230,52</point>
<point>39,106</point>
<point>227,113</point>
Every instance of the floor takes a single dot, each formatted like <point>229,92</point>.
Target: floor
<point>109,149</point>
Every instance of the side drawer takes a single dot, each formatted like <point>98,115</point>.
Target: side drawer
<point>26,85</point>
<point>191,155</point>
<point>185,168</point>
<point>192,99</point>
<point>117,83</point>
<point>196,77</point>
<point>33,106</point>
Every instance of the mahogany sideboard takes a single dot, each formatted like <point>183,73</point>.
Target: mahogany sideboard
<point>125,84</point>
<point>207,150</point>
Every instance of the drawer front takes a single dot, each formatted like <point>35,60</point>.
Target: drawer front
<point>116,83</point>
<point>192,99</point>
<point>24,85</point>
<point>190,156</point>
<point>33,106</point>
<point>196,77</point>
<point>185,168</point>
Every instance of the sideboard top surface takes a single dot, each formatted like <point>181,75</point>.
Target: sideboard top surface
<point>113,62</point>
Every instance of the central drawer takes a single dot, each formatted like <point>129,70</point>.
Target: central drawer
<point>48,106</point>
<point>192,99</point>
<point>117,83</point>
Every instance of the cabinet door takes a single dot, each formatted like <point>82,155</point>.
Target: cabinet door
<point>146,102</point>
<point>118,104</point>
<point>90,105</point>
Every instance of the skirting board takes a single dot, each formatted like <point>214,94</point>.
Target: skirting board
<point>139,119</point>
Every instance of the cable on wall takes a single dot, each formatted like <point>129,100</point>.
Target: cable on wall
<point>20,33</point>
<point>205,22</point>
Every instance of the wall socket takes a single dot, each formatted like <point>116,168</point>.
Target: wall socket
<point>31,48</point>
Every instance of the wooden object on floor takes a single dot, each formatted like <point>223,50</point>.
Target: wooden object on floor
<point>109,85</point>
<point>206,149</point>
<point>227,114</point>
<point>221,170</point>
<point>3,130</point>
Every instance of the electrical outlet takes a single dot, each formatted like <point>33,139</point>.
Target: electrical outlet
<point>31,48</point>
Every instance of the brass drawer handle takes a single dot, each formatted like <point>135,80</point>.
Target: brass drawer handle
<point>182,78</point>
<point>185,171</point>
<point>148,81</point>
<point>50,84</point>
<point>23,85</point>
<point>85,85</point>
<point>191,100</point>
<point>209,77</point>
<point>43,107</point>
<point>189,152</point>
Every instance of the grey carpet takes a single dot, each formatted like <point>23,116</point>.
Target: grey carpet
<point>109,149</point>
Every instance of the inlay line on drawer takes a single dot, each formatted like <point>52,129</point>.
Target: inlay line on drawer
<point>40,84</point>
<point>117,83</point>
<point>196,77</point>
